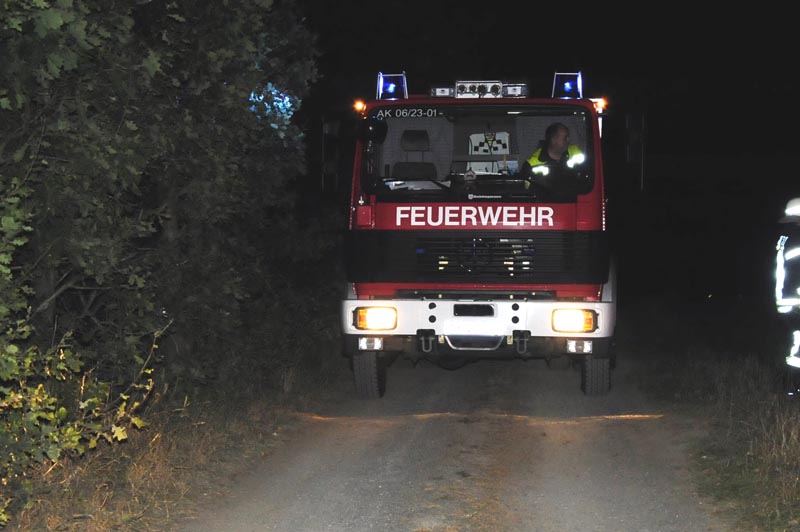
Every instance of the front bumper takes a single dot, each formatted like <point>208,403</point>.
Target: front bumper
<point>478,326</point>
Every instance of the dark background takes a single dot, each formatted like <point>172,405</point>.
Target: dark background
<point>695,217</point>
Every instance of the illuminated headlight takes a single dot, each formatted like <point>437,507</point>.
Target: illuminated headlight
<point>574,320</point>
<point>375,318</point>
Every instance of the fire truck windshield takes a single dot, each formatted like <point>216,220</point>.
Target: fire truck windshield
<point>475,152</point>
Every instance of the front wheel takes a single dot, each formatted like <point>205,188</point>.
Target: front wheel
<point>595,375</point>
<point>370,375</point>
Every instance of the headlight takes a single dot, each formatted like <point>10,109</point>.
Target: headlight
<point>574,320</point>
<point>375,318</point>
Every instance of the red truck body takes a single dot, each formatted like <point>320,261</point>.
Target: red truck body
<point>457,250</point>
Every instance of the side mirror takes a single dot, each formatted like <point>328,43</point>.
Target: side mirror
<point>371,129</point>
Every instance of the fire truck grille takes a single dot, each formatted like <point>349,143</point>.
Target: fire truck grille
<point>508,257</point>
<point>476,256</point>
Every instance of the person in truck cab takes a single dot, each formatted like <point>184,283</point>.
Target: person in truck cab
<point>546,170</point>
<point>556,149</point>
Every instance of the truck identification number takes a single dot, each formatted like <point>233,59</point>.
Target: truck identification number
<point>404,112</point>
<point>475,216</point>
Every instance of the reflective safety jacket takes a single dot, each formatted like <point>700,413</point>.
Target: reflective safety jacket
<point>787,284</point>
<point>573,156</point>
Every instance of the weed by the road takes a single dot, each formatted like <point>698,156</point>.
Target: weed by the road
<point>750,460</point>
<point>161,475</point>
<point>190,454</point>
<point>752,455</point>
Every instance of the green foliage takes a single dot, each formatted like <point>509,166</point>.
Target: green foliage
<point>136,175</point>
<point>14,360</point>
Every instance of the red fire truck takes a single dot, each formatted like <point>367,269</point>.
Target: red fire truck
<point>458,249</point>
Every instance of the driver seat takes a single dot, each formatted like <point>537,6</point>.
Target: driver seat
<point>414,143</point>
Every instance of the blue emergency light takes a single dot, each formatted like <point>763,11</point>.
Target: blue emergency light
<point>391,86</point>
<point>567,85</point>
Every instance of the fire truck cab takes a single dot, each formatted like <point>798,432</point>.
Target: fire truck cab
<point>462,246</point>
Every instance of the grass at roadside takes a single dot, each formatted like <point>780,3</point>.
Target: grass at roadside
<point>190,454</point>
<point>161,474</point>
<point>711,360</point>
<point>732,373</point>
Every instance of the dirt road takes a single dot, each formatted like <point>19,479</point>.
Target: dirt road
<point>493,446</point>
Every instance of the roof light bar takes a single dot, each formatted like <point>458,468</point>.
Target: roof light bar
<point>443,91</point>
<point>478,89</point>
<point>515,90</point>
<point>482,89</point>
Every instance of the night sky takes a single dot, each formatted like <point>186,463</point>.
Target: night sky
<point>717,95</point>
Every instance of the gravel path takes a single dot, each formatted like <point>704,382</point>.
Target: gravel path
<point>493,446</point>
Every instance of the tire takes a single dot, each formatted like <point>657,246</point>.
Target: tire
<point>595,376</point>
<point>370,375</point>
